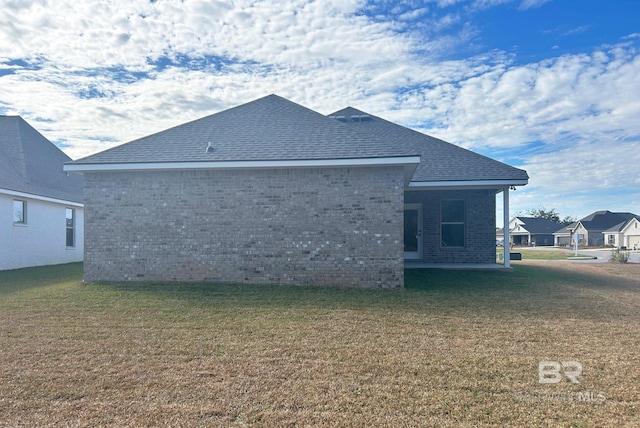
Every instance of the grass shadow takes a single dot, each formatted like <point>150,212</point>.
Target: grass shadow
<point>17,280</point>
<point>529,291</point>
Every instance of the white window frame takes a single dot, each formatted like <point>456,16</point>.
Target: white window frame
<point>23,220</point>
<point>72,227</point>
<point>463,223</point>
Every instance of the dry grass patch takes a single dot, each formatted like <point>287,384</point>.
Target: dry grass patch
<point>456,348</point>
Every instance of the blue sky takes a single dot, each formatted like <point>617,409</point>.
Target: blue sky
<point>550,86</point>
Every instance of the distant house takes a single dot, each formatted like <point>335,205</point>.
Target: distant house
<point>532,231</point>
<point>41,206</point>
<point>272,192</point>
<point>590,230</point>
<point>624,235</point>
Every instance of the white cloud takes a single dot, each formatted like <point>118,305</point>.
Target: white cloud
<point>576,30</point>
<point>530,4</point>
<point>102,73</point>
<point>579,96</point>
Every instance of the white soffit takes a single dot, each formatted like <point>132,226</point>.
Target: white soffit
<point>409,162</point>
<point>465,184</point>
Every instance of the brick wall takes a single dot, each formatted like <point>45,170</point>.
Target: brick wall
<point>480,226</point>
<point>340,226</point>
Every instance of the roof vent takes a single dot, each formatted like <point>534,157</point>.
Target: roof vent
<point>209,148</point>
<point>360,118</point>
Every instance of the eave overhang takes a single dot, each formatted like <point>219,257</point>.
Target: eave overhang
<point>33,196</point>
<point>466,184</point>
<point>410,163</point>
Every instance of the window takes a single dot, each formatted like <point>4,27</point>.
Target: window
<point>612,240</point>
<point>71,223</point>
<point>19,212</point>
<point>452,223</point>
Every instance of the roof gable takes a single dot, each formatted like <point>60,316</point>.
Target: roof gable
<point>267,129</point>
<point>29,163</point>
<point>624,226</point>
<point>634,223</point>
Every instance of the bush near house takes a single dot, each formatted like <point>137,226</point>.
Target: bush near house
<point>620,255</point>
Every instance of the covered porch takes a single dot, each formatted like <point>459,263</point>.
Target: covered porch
<point>454,227</point>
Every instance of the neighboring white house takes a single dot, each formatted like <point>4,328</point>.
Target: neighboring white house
<point>41,206</point>
<point>593,230</point>
<point>625,235</point>
<point>529,231</point>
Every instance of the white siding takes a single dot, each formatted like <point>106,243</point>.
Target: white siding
<point>632,235</point>
<point>42,240</point>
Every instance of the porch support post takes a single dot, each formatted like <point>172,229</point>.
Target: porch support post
<point>505,212</point>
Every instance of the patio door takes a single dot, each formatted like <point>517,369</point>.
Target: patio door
<point>413,232</point>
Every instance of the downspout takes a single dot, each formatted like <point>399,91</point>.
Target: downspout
<point>507,239</point>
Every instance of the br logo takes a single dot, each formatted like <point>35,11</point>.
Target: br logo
<point>553,371</point>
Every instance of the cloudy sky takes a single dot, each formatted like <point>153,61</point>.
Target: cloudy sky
<point>551,86</point>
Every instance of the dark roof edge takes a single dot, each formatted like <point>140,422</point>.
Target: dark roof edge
<point>485,183</point>
<point>40,197</point>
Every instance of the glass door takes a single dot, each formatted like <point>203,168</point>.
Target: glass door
<point>413,232</point>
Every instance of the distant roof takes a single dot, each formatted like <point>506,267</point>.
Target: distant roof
<point>603,220</point>
<point>275,129</point>
<point>618,227</point>
<point>566,230</point>
<point>539,225</point>
<point>600,221</point>
<point>29,163</point>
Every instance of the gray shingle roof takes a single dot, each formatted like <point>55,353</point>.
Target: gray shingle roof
<point>566,230</point>
<point>29,163</point>
<point>273,128</point>
<point>270,128</point>
<point>620,226</point>
<point>599,221</point>
<point>440,161</point>
<point>539,225</point>
<point>603,220</point>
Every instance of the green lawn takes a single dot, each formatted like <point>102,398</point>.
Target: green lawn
<point>455,348</point>
<point>547,254</point>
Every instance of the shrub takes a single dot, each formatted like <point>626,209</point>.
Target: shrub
<point>619,255</point>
